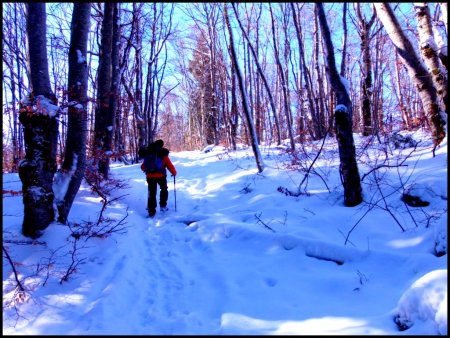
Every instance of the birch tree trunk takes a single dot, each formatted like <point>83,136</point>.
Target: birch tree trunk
<point>443,45</point>
<point>444,9</point>
<point>343,120</point>
<point>430,53</point>
<point>251,126</point>
<point>416,70</point>
<point>39,119</point>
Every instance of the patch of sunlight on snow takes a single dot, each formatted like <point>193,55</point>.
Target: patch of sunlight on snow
<point>404,243</point>
<point>12,331</point>
<point>65,299</point>
<point>257,198</point>
<point>48,320</point>
<point>326,325</point>
<point>317,326</point>
<point>93,199</point>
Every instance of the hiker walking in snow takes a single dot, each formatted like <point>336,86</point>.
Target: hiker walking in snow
<point>155,163</point>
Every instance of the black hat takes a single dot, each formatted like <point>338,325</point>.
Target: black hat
<point>159,143</point>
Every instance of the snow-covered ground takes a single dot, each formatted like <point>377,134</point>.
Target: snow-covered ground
<point>239,255</point>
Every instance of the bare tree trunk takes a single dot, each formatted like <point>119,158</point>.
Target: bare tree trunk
<point>417,71</point>
<point>444,14</point>
<point>114,118</point>
<point>68,179</point>
<point>251,126</point>
<point>283,83</point>
<point>366,88</point>
<point>263,78</point>
<point>319,122</point>
<point>443,53</point>
<point>103,126</point>
<point>234,116</point>
<point>343,119</point>
<point>344,39</point>
<point>400,98</point>
<point>429,50</point>
<point>39,119</point>
<point>212,15</point>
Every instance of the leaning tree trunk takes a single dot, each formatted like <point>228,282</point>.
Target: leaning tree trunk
<point>263,78</point>
<point>69,178</point>
<point>443,54</point>
<point>430,53</point>
<point>343,120</point>
<point>416,70</point>
<point>248,115</point>
<point>39,119</point>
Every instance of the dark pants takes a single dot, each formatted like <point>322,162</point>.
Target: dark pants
<point>152,189</point>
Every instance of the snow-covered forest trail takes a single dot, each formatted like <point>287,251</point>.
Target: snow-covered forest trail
<point>236,257</point>
<point>182,268</point>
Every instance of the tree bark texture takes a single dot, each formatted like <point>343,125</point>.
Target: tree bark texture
<point>343,120</point>
<point>39,119</point>
<point>443,53</point>
<point>367,83</point>
<point>430,53</point>
<point>103,113</point>
<point>74,165</point>
<point>416,70</point>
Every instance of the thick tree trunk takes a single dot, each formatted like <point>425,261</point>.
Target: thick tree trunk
<point>416,70</point>
<point>103,114</point>
<point>430,53</point>
<point>343,119</point>
<point>39,119</point>
<point>68,180</point>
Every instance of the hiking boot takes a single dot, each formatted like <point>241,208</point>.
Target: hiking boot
<point>152,214</point>
<point>163,208</point>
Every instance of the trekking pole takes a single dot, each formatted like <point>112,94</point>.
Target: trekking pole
<point>175,193</point>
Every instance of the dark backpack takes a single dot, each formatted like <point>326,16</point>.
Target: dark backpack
<point>153,163</point>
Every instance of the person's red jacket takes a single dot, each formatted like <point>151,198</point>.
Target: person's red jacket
<point>167,163</point>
